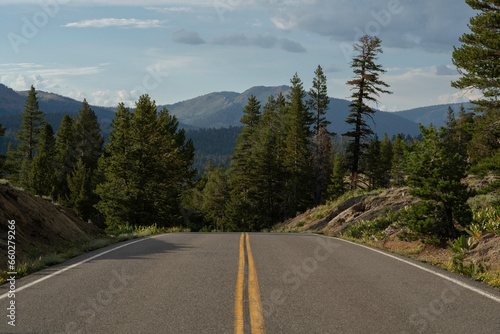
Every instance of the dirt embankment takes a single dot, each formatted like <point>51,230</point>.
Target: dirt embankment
<point>40,225</point>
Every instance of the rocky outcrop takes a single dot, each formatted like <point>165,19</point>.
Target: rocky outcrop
<point>337,218</point>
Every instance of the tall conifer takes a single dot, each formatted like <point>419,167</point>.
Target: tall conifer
<point>477,59</point>
<point>318,100</point>
<point>367,87</point>
<point>66,156</point>
<point>297,161</point>
<point>31,126</point>
<point>240,213</point>
<point>42,177</point>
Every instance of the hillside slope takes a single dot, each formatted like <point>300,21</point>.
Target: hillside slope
<point>40,225</point>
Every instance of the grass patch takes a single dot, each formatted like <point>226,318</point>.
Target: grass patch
<point>416,251</point>
<point>96,244</point>
<point>491,278</point>
<point>51,259</point>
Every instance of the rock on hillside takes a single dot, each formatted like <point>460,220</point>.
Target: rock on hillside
<point>337,218</point>
<point>39,223</point>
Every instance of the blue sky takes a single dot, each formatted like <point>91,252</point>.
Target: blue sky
<point>114,51</point>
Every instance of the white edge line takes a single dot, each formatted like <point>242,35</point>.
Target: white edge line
<point>462,284</point>
<point>71,267</point>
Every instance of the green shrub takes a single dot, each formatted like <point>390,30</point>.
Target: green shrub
<point>483,201</point>
<point>366,229</point>
<point>460,247</point>
<point>50,260</point>
<point>427,220</point>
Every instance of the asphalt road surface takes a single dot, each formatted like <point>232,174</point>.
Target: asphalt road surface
<point>247,283</point>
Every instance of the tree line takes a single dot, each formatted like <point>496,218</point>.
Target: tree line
<point>137,178</point>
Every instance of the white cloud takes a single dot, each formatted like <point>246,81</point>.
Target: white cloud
<point>421,87</point>
<point>17,66</point>
<point>462,96</point>
<point>168,10</point>
<point>425,24</point>
<point>109,98</point>
<point>262,41</point>
<point>58,72</point>
<point>23,82</point>
<point>106,98</point>
<point>122,23</point>
<point>332,68</point>
<point>446,70</point>
<point>187,37</point>
<point>55,80</point>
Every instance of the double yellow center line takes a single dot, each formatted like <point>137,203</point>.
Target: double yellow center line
<point>255,305</point>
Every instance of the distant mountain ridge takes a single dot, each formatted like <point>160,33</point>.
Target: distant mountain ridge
<point>12,103</point>
<point>436,115</point>
<point>224,109</point>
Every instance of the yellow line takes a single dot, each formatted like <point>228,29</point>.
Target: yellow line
<point>255,305</point>
<point>238,303</point>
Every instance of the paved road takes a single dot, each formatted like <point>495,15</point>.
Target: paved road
<point>215,283</point>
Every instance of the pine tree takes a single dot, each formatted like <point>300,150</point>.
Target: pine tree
<point>145,168</point>
<point>322,146</point>
<point>337,186</point>
<point>31,126</point>
<point>66,157</point>
<point>89,140</point>
<point>478,63</point>
<point>89,147</point>
<point>12,163</point>
<point>240,214</point>
<point>397,163</point>
<point>42,177</point>
<point>80,191</point>
<point>322,164</point>
<point>477,58</point>
<point>175,155</point>
<point>319,100</point>
<point>465,127</point>
<point>373,164</point>
<point>435,175</point>
<point>215,197</point>
<point>24,173</point>
<point>297,160</point>
<point>386,155</point>
<point>116,166</point>
<point>269,171</point>
<point>367,87</point>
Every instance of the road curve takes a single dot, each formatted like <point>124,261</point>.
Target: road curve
<point>191,283</point>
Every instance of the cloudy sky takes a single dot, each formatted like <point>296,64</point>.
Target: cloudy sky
<point>109,51</point>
